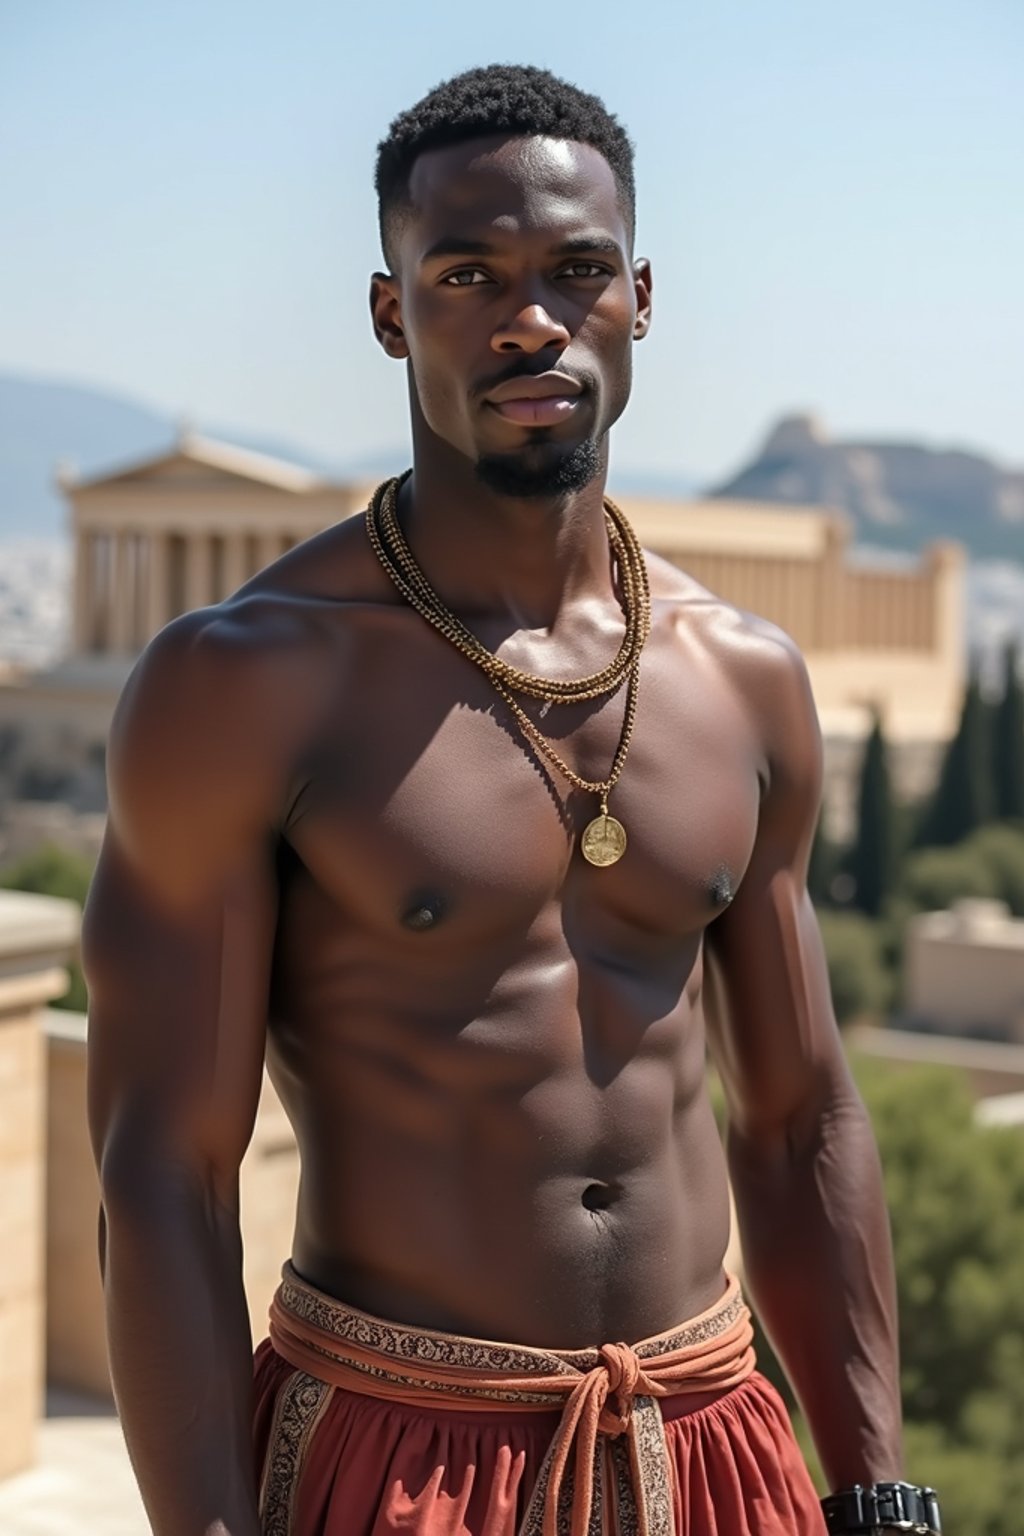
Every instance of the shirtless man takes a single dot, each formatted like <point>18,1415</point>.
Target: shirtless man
<point>331,840</point>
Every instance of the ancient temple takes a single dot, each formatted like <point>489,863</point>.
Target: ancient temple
<point>186,528</point>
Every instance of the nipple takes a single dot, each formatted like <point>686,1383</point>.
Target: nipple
<point>720,886</point>
<point>424,912</point>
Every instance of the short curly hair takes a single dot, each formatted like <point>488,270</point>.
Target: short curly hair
<point>499,98</point>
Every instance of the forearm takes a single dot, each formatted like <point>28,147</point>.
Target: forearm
<point>818,1264</point>
<point>181,1353</point>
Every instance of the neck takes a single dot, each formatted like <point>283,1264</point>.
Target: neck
<point>526,561</point>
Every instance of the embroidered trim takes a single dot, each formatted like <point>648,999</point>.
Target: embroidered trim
<point>487,1394</point>
<point>648,1455</point>
<point>404,1343</point>
<point>301,1404</point>
<point>532,1523</point>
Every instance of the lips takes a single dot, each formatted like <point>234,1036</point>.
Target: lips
<point>540,400</point>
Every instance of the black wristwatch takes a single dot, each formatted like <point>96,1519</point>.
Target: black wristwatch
<point>868,1511</point>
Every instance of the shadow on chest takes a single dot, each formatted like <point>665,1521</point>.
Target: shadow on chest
<point>422,822</point>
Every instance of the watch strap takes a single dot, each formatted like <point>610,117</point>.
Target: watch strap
<point>862,1510</point>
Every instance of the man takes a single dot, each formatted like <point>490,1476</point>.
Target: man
<point>473,816</point>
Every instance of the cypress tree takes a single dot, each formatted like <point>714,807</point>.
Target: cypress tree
<point>871,857</point>
<point>1008,741</point>
<point>962,800</point>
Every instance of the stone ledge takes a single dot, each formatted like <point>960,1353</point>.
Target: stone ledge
<point>37,935</point>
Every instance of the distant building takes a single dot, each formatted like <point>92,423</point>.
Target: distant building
<point>187,527</point>
<point>964,970</point>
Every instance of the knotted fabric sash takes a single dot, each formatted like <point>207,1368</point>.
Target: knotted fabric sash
<point>611,1391</point>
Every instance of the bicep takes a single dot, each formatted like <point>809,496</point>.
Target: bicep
<point>177,942</point>
<point>769,1010</point>
<point>177,1014</point>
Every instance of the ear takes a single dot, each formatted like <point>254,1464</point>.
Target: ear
<point>386,314</point>
<point>643,285</point>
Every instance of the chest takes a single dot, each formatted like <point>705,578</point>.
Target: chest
<point>421,795</point>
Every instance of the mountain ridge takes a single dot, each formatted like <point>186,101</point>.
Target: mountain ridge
<point>896,493</point>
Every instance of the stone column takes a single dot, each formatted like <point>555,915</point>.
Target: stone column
<point>197,571</point>
<point>84,592</point>
<point>831,586</point>
<point>122,595</point>
<point>236,567</point>
<point>268,547</point>
<point>37,935</point>
<point>99,608</point>
<point>158,597</point>
<point>944,563</point>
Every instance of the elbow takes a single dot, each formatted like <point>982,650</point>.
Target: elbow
<point>146,1180</point>
<point>805,1108</point>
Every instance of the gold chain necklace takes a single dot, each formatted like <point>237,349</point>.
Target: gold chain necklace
<point>604,839</point>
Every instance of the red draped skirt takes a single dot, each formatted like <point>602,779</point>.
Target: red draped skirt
<point>366,1467</point>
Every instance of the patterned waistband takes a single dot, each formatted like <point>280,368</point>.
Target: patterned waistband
<point>328,1318</point>
<point>608,1395</point>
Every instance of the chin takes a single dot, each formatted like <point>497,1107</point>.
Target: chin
<point>541,470</point>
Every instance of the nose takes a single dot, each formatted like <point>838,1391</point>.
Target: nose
<point>530,330</point>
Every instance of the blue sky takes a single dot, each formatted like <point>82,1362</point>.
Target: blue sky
<point>830,195</point>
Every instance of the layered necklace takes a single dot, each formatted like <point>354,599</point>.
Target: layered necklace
<point>603,840</point>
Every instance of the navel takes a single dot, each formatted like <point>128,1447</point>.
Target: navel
<point>597,1197</point>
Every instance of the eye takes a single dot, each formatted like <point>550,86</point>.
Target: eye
<point>465,277</point>
<point>586,269</point>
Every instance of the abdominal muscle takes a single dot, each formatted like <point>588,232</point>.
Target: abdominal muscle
<point>541,1196</point>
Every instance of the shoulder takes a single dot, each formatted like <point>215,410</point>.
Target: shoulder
<point>228,653</point>
<point>206,728</point>
<point>263,649</point>
<point>759,663</point>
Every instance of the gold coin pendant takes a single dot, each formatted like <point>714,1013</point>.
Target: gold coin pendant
<point>603,841</point>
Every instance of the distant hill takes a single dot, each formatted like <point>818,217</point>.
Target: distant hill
<point>43,423</point>
<point>897,494</point>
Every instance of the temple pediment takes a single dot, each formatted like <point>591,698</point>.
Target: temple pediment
<point>196,462</point>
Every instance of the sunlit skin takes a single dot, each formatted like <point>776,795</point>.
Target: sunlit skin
<point>328,839</point>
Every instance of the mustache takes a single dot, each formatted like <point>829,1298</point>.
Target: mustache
<point>581,376</point>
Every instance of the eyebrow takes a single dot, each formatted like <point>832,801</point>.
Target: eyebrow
<point>457,245</point>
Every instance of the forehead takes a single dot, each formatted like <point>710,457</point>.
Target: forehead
<point>513,185</point>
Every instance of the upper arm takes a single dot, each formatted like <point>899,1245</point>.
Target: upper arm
<point>179,925</point>
<point>769,1010</point>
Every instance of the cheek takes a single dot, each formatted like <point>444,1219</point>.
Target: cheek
<point>436,387</point>
<point>607,334</point>
<point>440,389</point>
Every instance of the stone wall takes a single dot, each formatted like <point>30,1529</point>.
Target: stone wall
<point>964,970</point>
<point>75,1331</point>
<point>36,935</point>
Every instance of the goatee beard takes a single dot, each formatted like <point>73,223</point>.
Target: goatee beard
<point>521,477</point>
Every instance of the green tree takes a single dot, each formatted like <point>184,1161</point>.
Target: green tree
<point>934,878</point>
<point>52,871</point>
<point>871,860</point>
<point>989,863</point>
<point>1000,847</point>
<point>962,800</point>
<point>1008,740</point>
